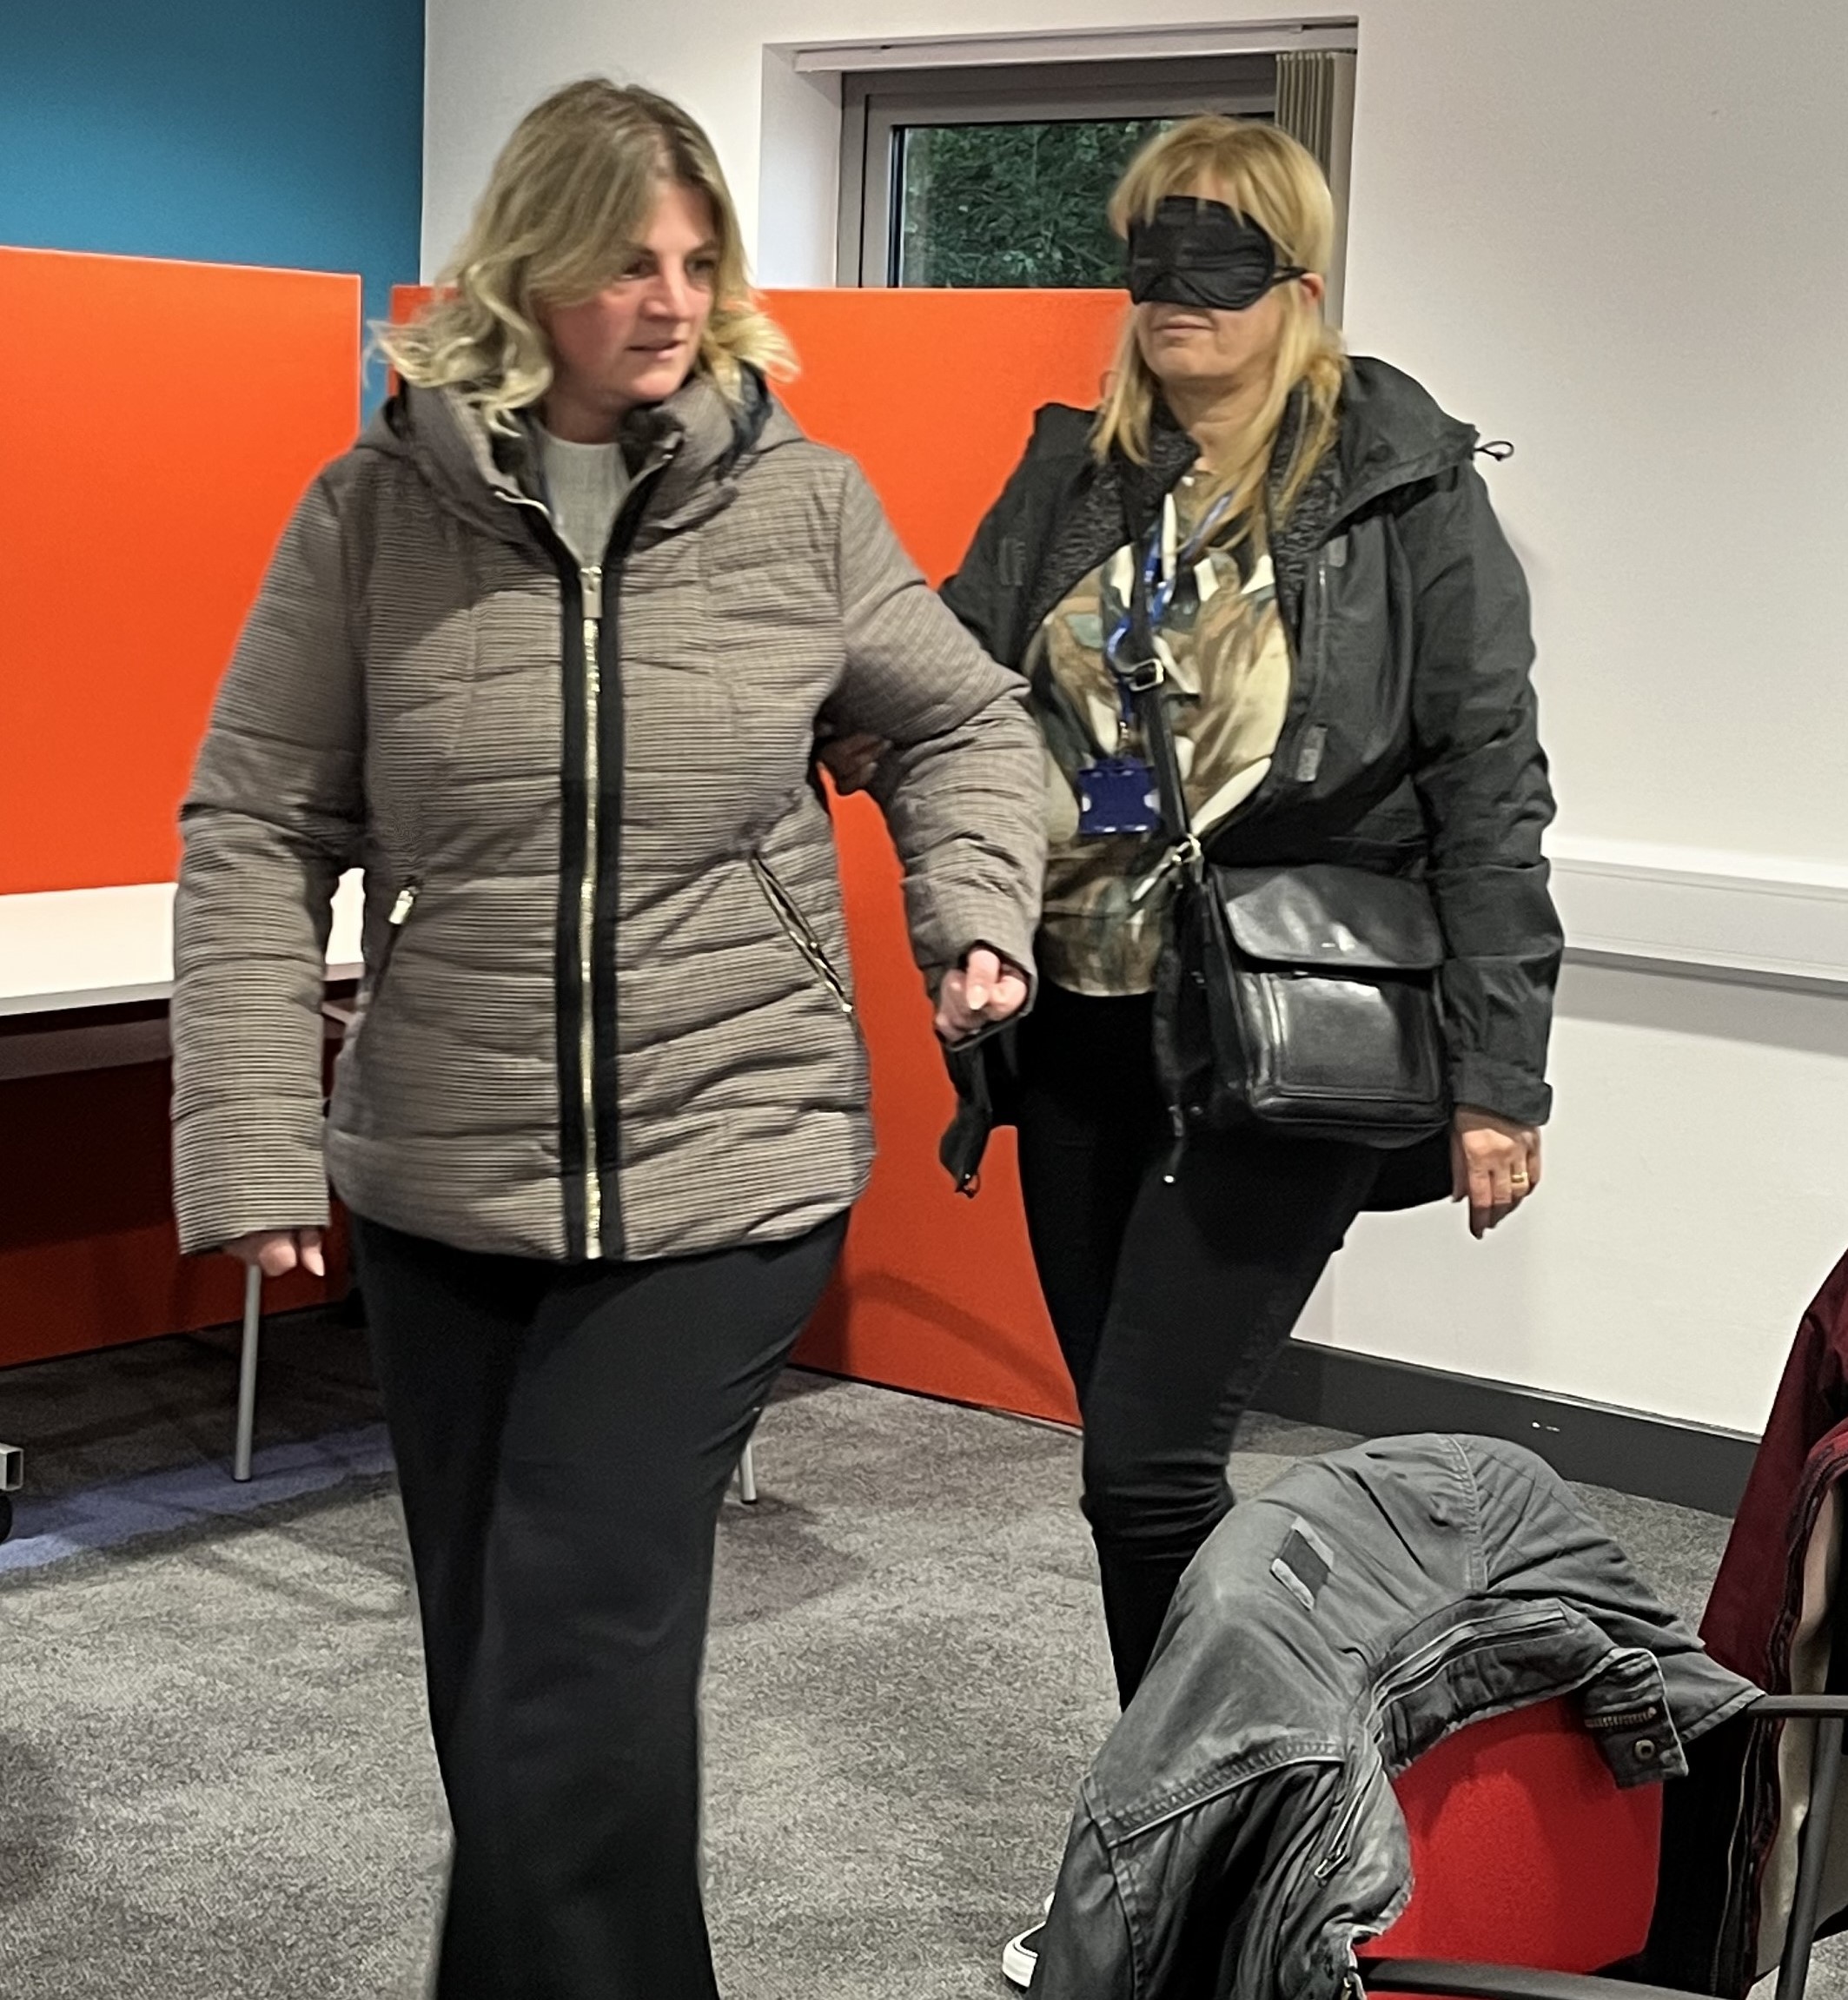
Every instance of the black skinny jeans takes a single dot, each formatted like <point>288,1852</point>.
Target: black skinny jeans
<point>564,1435</point>
<point>1170,1300</point>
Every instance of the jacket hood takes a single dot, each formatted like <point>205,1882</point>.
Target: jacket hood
<point>699,434</point>
<point>1393,431</point>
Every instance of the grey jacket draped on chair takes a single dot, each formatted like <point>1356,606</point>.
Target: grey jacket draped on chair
<point>1238,1833</point>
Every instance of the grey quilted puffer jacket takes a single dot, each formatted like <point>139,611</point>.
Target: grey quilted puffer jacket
<point>607,1008</point>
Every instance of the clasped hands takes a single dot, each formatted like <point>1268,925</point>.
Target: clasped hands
<point>985,990</point>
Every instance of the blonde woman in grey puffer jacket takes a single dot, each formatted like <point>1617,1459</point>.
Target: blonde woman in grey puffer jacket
<point>548,654</point>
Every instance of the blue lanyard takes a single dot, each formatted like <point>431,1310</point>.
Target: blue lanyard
<point>1158,590</point>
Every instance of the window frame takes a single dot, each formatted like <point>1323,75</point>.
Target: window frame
<point>877,105</point>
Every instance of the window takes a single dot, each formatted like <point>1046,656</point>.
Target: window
<point>1007,204</point>
<point>1000,176</point>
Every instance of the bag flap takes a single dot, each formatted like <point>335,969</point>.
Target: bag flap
<point>1326,915</point>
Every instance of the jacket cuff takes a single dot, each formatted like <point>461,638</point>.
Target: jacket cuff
<point>946,928</point>
<point>225,1187</point>
<point>1510,1093</point>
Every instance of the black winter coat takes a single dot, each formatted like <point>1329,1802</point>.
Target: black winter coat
<point>1410,744</point>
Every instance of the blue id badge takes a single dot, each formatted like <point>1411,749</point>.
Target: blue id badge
<point>1118,795</point>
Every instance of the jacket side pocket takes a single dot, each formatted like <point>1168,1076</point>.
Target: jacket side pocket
<point>800,933</point>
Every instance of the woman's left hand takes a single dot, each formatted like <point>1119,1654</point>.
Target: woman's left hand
<point>984,989</point>
<point>1495,1165</point>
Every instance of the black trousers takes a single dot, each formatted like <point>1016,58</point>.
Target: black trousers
<point>1170,1300</point>
<point>564,1435</point>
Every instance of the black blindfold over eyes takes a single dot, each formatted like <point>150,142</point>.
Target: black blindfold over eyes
<point>1193,252</point>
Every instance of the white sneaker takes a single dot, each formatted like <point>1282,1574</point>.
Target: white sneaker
<point>1020,1956</point>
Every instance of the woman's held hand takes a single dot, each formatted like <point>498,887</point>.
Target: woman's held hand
<point>984,989</point>
<point>1495,1165</point>
<point>276,1252</point>
<point>852,761</point>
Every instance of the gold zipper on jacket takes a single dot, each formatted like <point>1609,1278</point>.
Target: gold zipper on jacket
<point>590,581</point>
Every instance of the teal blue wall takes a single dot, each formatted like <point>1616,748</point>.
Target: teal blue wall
<point>281,132</point>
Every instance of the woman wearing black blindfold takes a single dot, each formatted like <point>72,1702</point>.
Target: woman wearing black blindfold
<point>1280,652</point>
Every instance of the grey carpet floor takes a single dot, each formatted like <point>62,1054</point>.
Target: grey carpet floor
<point>214,1782</point>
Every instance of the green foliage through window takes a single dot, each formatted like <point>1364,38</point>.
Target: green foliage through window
<point>1013,204</point>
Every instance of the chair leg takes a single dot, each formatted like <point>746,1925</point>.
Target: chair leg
<point>747,1476</point>
<point>247,1373</point>
<point>12,1477</point>
<point>1812,1856</point>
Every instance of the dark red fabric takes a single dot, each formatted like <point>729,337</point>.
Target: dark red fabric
<point>1524,1851</point>
<point>1748,1613</point>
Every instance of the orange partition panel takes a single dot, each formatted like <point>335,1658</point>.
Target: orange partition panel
<point>165,420</point>
<point>933,392</point>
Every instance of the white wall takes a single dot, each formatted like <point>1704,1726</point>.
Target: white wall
<point>1694,1198</point>
<point>1618,235</point>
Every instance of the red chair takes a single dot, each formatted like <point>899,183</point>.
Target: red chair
<point>1533,1870</point>
<point>1523,1849</point>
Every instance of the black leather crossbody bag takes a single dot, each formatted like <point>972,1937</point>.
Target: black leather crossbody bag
<point>1301,999</point>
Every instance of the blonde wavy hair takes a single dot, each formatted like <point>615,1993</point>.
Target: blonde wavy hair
<point>1268,178</point>
<point>569,198</point>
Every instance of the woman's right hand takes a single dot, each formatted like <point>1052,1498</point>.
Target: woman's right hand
<point>277,1251</point>
<point>1495,1165</point>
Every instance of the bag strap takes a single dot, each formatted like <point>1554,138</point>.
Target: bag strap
<point>1146,679</point>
